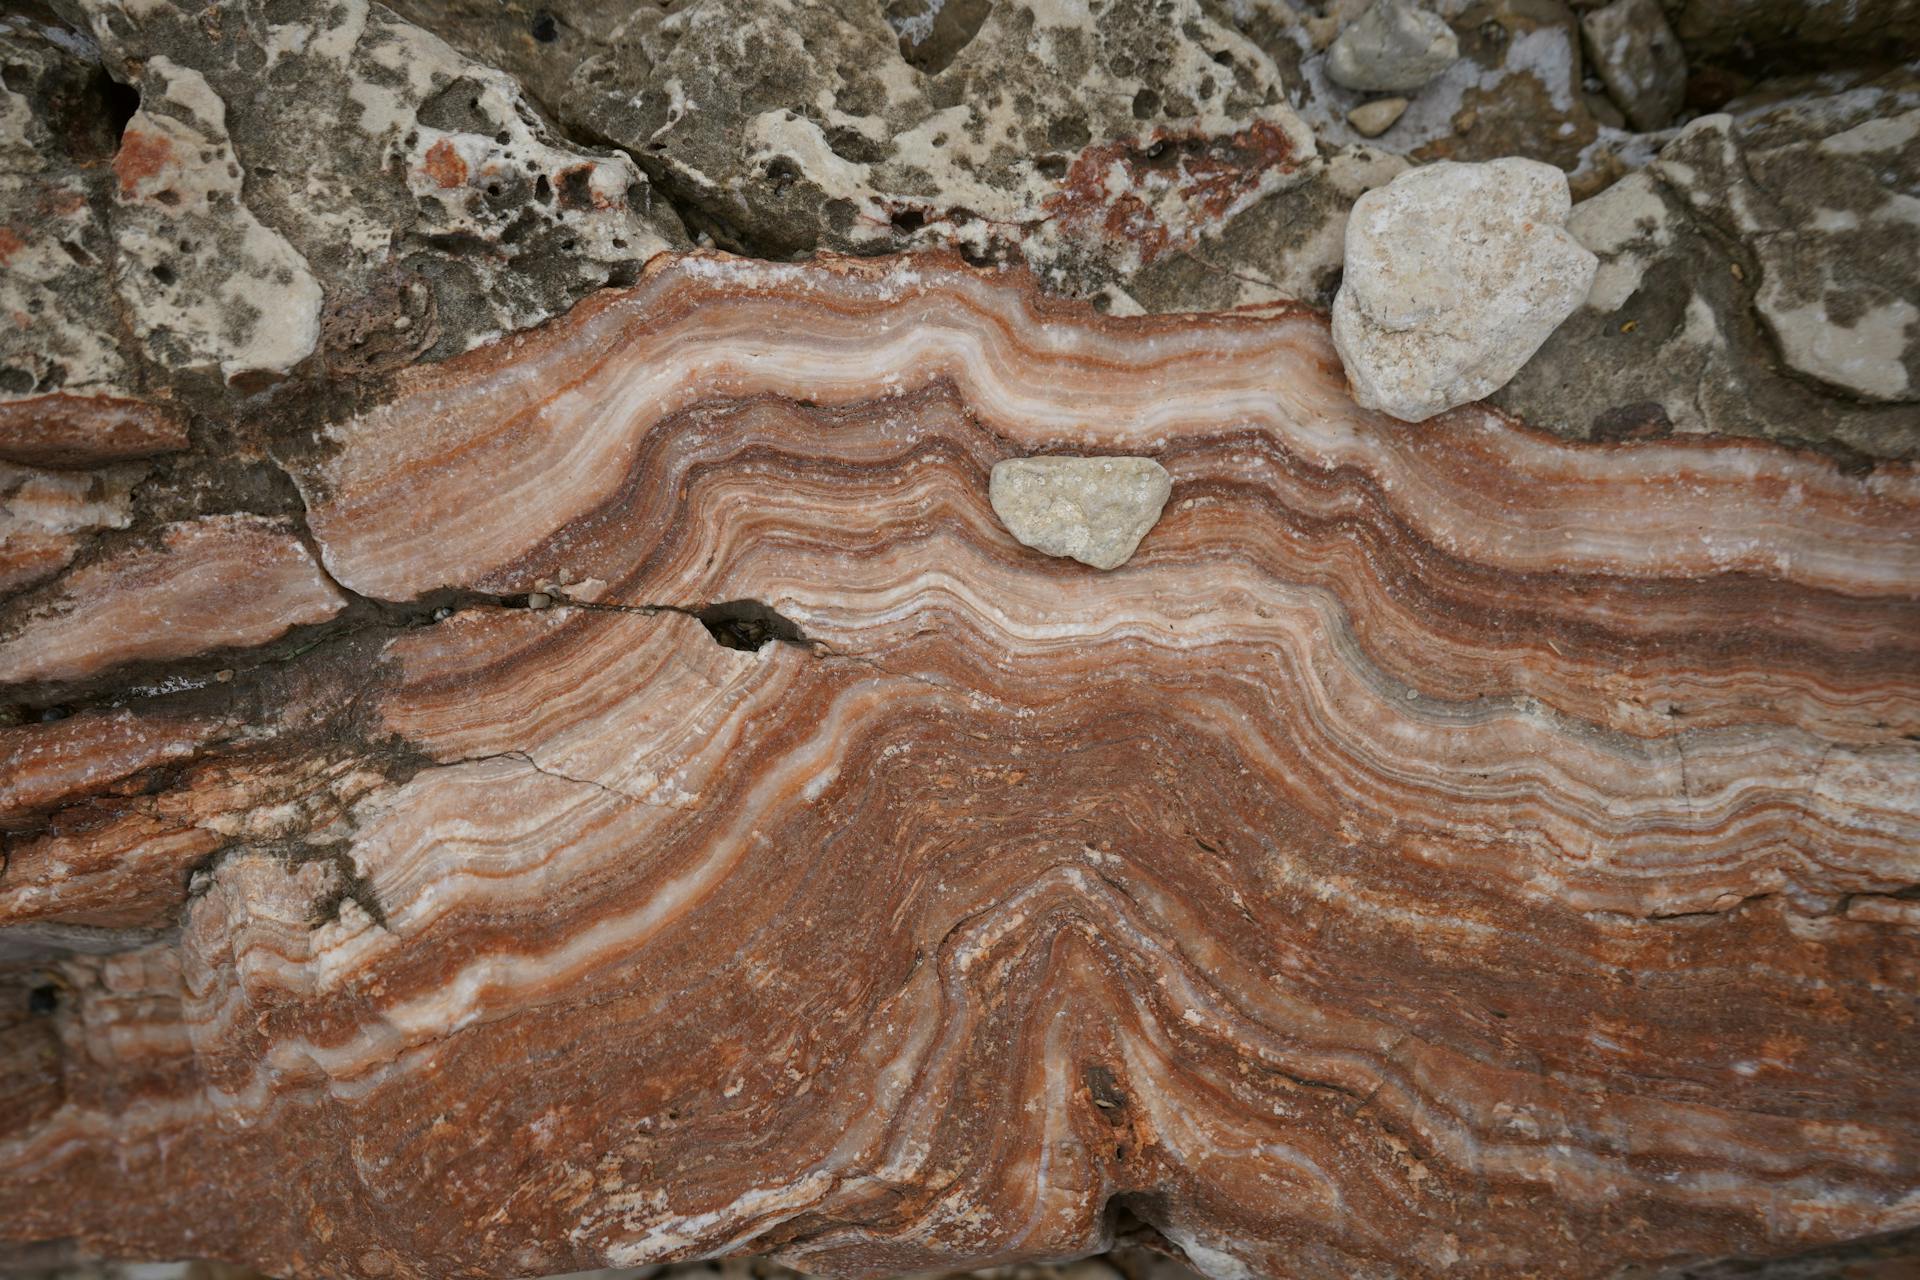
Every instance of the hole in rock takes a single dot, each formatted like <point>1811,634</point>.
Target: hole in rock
<point>43,1000</point>
<point>545,28</point>
<point>909,220</point>
<point>120,101</point>
<point>782,172</point>
<point>748,624</point>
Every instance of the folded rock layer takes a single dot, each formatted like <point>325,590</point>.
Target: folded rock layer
<point>1439,849</point>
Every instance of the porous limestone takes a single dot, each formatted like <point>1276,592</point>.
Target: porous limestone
<point>1095,510</point>
<point>1455,274</point>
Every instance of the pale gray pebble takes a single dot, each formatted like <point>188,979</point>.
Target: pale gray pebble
<point>1095,510</point>
<point>1393,47</point>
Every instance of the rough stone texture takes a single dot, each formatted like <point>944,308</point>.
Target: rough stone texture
<point>1638,58</point>
<point>286,167</point>
<point>1401,824</point>
<point>1393,46</point>
<point>228,580</point>
<point>1800,35</point>
<point>1758,279</point>
<point>1455,274</point>
<point>1092,142</point>
<point>1094,510</point>
<point>1125,1264</point>
<point>44,515</point>
<point>1518,88</point>
<point>65,333</point>
<point>1367,879</point>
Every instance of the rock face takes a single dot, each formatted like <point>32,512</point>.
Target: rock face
<point>1392,46</point>
<point>1098,144</point>
<point>1455,276</point>
<point>291,183</point>
<point>1372,873</point>
<point>1094,510</point>
<point>219,581</point>
<point>1757,279</point>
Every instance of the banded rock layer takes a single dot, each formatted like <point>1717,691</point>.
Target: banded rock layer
<point>1440,850</point>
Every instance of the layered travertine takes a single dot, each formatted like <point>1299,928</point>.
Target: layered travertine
<point>207,584</point>
<point>1437,850</point>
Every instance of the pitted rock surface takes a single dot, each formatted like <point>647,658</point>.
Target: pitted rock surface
<point>1757,279</point>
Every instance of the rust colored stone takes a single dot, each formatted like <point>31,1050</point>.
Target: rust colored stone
<point>63,430</point>
<point>444,165</point>
<point>1449,851</point>
<point>142,155</point>
<point>1170,188</point>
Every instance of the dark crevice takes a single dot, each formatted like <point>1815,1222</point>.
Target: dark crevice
<point>748,624</point>
<point>122,102</point>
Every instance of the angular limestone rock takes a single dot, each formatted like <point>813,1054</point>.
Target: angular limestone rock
<point>1455,274</point>
<point>1095,510</point>
<point>1393,46</point>
<point>1639,60</point>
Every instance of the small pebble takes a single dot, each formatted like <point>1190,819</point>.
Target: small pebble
<point>1374,118</point>
<point>539,600</point>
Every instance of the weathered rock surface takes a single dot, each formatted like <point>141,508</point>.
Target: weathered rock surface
<point>1638,58</point>
<point>211,583</point>
<point>286,168</point>
<point>1455,274</point>
<point>1371,873</point>
<point>1090,142</point>
<point>1518,88</point>
<point>1094,510</point>
<point>1799,35</point>
<point>1395,45</point>
<point>64,336</point>
<point>1758,279</point>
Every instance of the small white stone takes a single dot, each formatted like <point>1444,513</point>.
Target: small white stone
<point>1095,510</point>
<point>1371,119</point>
<point>1392,47</point>
<point>1455,274</point>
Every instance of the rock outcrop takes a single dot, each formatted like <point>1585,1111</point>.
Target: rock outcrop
<point>1372,870</point>
<point>1757,279</point>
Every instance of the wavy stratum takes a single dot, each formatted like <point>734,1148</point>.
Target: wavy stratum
<point>1441,850</point>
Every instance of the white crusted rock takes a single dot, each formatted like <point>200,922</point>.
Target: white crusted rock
<point>1455,274</point>
<point>1095,510</point>
<point>1392,46</point>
